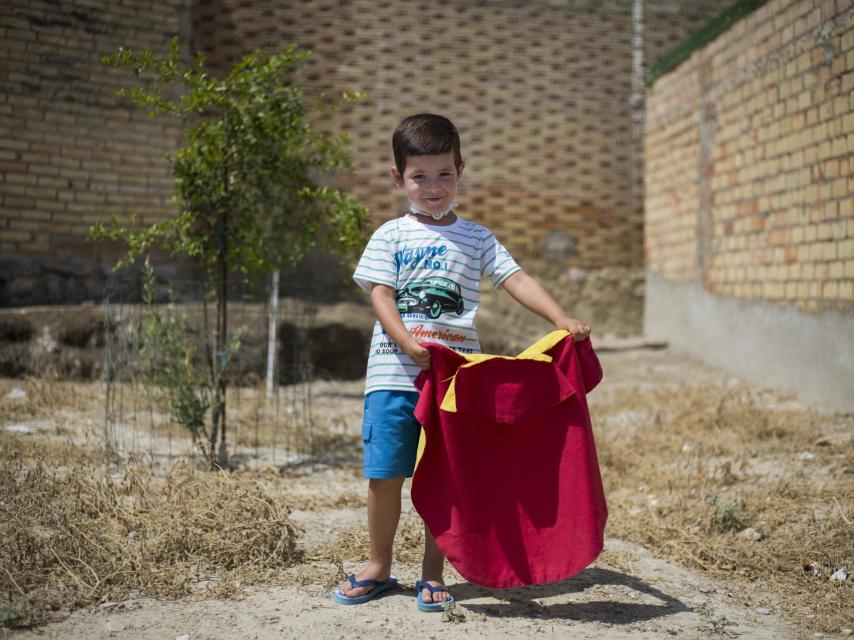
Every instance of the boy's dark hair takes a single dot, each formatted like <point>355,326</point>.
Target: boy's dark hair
<point>425,134</point>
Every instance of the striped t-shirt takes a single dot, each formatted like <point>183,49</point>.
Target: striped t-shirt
<point>435,271</point>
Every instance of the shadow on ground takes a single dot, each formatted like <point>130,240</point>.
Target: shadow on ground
<point>525,602</point>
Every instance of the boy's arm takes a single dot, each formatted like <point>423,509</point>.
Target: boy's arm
<point>385,307</point>
<point>531,295</point>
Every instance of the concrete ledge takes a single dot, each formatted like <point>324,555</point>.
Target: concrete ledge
<point>812,355</point>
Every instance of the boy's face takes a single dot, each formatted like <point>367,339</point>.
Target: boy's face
<point>430,181</point>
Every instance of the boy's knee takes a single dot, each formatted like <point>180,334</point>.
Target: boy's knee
<point>386,484</point>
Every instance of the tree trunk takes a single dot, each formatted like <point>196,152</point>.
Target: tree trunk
<point>212,377</point>
<point>218,451</point>
<point>223,274</point>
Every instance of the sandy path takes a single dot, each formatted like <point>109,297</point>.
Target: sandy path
<point>628,594</point>
<point>645,597</point>
<point>657,600</point>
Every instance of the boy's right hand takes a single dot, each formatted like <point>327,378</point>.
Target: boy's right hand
<point>420,355</point>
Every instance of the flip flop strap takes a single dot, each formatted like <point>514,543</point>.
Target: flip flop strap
<point>367,582</point>
<point>423,584</point>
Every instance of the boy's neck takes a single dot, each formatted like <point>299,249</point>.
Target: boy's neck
<point>449,219</point>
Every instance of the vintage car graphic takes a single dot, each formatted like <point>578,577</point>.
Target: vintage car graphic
<point>431,296</point>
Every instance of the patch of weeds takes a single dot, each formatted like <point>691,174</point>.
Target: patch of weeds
<point>340,573</point>
<point>453,613</point>
<point>728,516</point>
<point>75,536</point>
<point>11,613</point>
<point>715,625</point>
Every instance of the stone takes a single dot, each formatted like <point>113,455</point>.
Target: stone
<point>19,428</point>
<point>577,275</point>
<point>751,534</point>
<point>840,575</point>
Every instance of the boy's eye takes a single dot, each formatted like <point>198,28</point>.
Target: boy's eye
<point>421,176</point>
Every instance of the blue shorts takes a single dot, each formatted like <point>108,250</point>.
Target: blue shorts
<point>390,434</point>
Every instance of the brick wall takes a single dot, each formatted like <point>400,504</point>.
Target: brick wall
<point>540,91</point>
<point>749,160</point>
<point>70,152</point>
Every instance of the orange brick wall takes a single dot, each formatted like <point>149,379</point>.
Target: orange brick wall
<point>540,91</point>
<point>70,152</point>
<point>749,160</point>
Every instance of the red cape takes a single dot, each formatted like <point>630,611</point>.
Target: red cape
<point>508,482</point>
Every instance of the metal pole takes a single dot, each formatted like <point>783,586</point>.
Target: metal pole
<point>271,333</point>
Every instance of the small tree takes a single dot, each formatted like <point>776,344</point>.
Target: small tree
<point>246,190</point>
<point>166,364</point>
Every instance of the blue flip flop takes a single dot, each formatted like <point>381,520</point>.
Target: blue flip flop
<point>378,587</point>
<point>432,607</point>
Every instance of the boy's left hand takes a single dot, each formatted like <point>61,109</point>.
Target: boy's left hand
<point>578,329</point>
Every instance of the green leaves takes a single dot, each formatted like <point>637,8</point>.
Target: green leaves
<point>250,156</point>
<point>171,375</point>
<point>247,202</point>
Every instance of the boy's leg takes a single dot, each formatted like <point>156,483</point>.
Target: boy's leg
<point>383,516</point>
<point>390,436</point>
<point>432,569</point>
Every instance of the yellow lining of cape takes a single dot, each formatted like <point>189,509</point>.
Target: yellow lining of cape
<point>534,352</point>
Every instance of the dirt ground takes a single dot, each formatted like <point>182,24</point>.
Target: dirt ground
<point>693,461</point>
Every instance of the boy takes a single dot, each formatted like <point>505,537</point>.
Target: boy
<point>422,271</point>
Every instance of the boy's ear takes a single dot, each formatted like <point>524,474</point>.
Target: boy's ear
<point>460,170</point>
<point>395,174</point>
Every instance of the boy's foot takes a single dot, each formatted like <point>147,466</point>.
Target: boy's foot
<point>376,587</point>
<point>347,590</point>
<point>432,595</point>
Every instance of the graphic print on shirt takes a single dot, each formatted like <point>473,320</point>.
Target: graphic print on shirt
<point>432,257</point>
<point>431,296</point>
<point>445,264</point>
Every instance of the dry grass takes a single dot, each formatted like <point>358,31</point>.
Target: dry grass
<point>352,544</point>
<point>46,398</point>
<point>75,535</point>
<point>257,426</point>
<point>738,483</point>
<point>720,480</point>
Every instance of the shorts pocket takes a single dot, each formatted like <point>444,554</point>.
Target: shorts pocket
<point>367,428</point>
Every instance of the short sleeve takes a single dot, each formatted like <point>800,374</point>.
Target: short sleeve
<point>376,266</point>
<point>496,262</point>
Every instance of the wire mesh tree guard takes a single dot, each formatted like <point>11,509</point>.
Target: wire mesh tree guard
<point>263,428</point>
